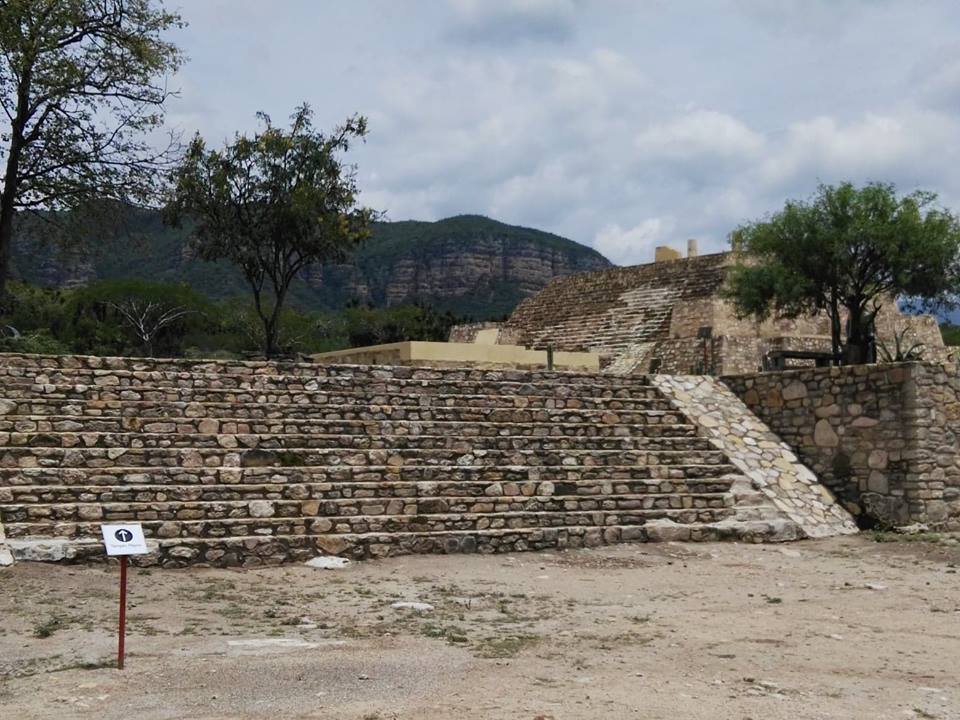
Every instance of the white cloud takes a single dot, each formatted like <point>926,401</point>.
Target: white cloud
<point>635,244</point>
<point>906,145</point>
<point>699,135</point>
<point>621,124</point>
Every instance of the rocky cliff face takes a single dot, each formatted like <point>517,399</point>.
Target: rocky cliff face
<point>453,270</point>
<point>44,263</point>
<point>468,264</point>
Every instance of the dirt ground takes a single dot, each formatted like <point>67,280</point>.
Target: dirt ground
<point>841,628</point>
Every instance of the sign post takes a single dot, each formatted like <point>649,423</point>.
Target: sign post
<point>122,541</point>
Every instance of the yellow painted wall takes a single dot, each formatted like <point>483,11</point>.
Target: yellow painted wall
<point>424,353</point>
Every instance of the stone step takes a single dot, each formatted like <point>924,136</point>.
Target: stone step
<point>73,424</point>
<point>94,458</point>
<point>352,491</point>
<point>595,386</point>
<point>23,514</point>
<point>341,474</point>
<point>257,550</point>
<point>171,437</point>
<point>254,411</point>
<point>362,397</point>
<point>353,524</point>
<point>221,368</point>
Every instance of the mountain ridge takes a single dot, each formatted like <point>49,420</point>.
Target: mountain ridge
<point>469,264</point>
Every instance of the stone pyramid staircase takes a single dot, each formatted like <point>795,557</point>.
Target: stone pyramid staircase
<point>245,463</point>
<point>608,311</point>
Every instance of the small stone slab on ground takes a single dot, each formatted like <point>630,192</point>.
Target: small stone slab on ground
<point>328,562</point>
<point>420,607</point>
<point>260,646</point>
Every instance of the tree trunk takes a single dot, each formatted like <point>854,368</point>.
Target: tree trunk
<point>11,179</point>
<point>834,326</point>
<point>858,338</point>
<point>270,337</point>
<point>8,209</point>
<point>273,326</point>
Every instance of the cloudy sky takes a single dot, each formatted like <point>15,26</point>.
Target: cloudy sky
<point>622,124</point>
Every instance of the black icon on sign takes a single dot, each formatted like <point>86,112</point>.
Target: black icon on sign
<point>123,535</point>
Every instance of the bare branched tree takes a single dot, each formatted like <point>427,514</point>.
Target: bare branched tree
<point>147,318</point>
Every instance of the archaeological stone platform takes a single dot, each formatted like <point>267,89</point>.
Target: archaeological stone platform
<point>244,463</point>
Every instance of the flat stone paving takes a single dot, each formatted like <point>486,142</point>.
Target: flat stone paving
<point>837,628</point>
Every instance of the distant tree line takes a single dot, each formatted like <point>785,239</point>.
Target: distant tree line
<point>140,318</point>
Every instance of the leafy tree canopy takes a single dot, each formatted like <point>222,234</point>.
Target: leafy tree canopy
<point>845,252</point>
<point>88,320</point>
<point>273,204</point>
<point>82,86</point>
<point>951,334</point>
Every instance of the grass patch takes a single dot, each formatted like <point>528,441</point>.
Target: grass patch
<point>451,633</point>
<point>886,536</point>
<point>107,662</point>
<point>505,647</point>
<point>48,627</point>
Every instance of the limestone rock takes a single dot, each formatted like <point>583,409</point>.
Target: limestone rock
<point>261,508</point>
<point>417,607</point>
<point>824,434</point>
<point>328,562</point>
<point>794,391</point>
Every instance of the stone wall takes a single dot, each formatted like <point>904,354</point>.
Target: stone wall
<point>243,463</point>
<point>678,306</point>
<point>774,472</point>
<point>6,557</point>
<point>884,438</point>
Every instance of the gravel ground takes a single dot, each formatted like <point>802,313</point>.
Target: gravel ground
<point>841,628</point>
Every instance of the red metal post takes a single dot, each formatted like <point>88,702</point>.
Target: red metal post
<point>123,611</point>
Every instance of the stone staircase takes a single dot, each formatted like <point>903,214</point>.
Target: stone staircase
<point>608,311</point>
<point>245,463</point>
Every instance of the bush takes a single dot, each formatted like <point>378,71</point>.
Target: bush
<point>951,334</point>
<point>89,320</point>
<point>366,325</point>
<point>39,342</point>
<point>98,325</point>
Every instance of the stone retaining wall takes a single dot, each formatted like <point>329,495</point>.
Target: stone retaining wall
<point>884,438</point>
<point>228,463</point>
<point>6,557</point>
<point>771,466</point>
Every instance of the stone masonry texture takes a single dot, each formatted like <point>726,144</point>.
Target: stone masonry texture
<point>232,463</point>
<point>884,438</point>
<point>774,471</point>
<point>671,317</point>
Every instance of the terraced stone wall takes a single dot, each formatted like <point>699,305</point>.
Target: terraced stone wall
<point>229,463</point>
<point>234,463</point>
<point>884,438</point>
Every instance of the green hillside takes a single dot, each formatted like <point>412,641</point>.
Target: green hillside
<point>436,262</point>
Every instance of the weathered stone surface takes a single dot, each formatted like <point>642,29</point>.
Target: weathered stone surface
<point>369,462</point>
<point>671,317</point>
<point>794,391</point>
<point>777,498</point>
<point>328,562</point>
<point>897,459</point>
<point>824,435</point>
<point>6,557</point>
<point>262,509</point>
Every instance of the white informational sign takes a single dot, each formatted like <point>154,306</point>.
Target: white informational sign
<point>125,539</point>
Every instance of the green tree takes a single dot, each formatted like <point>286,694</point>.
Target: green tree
<point>845,252</point>
<point>951,334</point>
<point>123,317</point>
<point>81,85</point>
<point>367,325</point>
<point>273,204</point>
